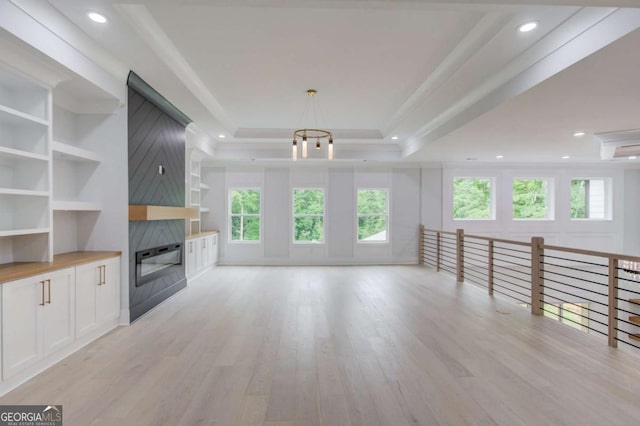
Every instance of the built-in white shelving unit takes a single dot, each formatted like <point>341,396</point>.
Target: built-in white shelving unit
<point>193,193</point>
<point>81,168</point>
<point>57,165</point>
<point>25,169</point>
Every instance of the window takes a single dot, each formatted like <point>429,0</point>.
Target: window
<point>531,199</point>
<point>472,198</point>
<point>589,199</point>
<point>372,215</point>
<point>308,215</point>
<point>244,214</point>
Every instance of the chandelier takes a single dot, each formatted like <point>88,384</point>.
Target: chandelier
<point>306,136</point>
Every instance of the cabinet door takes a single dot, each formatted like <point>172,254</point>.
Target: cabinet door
<point>190,257</point>
<point>87,284</point>
<point>210,248</point>
<point>204,255</point>
<point>59,310</point>
<point>109,291</point>
<point>22,308</point>
<point>214,251</point>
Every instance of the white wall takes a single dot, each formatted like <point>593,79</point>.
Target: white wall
<point>631,235</point>
<point>340,185</point>
<point>603,235</point>
<point>431,187</point>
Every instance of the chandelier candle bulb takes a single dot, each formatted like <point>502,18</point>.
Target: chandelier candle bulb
<point>294,153</point>
<point>318,143</point>
<point>304,147</point>
<point>330,156</point>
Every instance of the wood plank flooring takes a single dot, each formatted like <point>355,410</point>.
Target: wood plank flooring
<point>366,346</point>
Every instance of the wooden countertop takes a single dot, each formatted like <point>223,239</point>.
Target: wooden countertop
<point>200,234</point>
<point>19,270</point>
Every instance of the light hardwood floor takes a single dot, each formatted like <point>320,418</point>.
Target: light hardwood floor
<point>338,346</point>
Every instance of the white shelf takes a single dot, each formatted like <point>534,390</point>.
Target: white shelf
<point>204,186</point>
<point>205,209</point>
<point>195,189</point>
<point>11,191</point>
<point>18,232</point>
<point>195,175</point>
<point>11,153</point>
<point>73,153</point>
<point>195,220</point>
<point>76,206</point>
<point>15,117</point>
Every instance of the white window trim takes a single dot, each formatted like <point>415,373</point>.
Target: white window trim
<point>388,216</point>
<point>231,215</point>
<point>294,215</point>
<point>492,199</point>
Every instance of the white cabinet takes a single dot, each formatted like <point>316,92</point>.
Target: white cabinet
<point>201,253</point>
<point>205,245</point>
<point>190,257</point>
<point>216,250</point>
<point>97,294</point>
<point>109,291</point>
<point>212,249</point>
<point>37,318</point>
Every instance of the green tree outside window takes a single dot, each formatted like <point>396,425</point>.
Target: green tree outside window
<point>308,215</point>
<point>530,199</point>
<point>579,199</point>
<point>472,198</point>
<point>245,214</point>
<point>372,215</point>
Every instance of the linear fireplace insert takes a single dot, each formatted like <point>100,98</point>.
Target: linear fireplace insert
<point>156,262</point>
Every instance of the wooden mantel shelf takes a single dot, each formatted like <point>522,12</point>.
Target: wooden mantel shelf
<point>145,212</point>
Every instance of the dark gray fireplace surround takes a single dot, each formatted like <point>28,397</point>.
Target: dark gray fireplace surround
<point>156,138</point>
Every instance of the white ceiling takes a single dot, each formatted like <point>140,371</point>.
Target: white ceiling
<point>451,79</point>
<point>601,93</point>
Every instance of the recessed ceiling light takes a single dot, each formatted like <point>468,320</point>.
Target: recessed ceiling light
<point>579,134</point>
<point>97,17</point>
<point>395,138</point>
<point>221,136</point>
<point>528,26</point>
<point>499,157</point>
<point>633,157</point>
<point>565,157</point>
